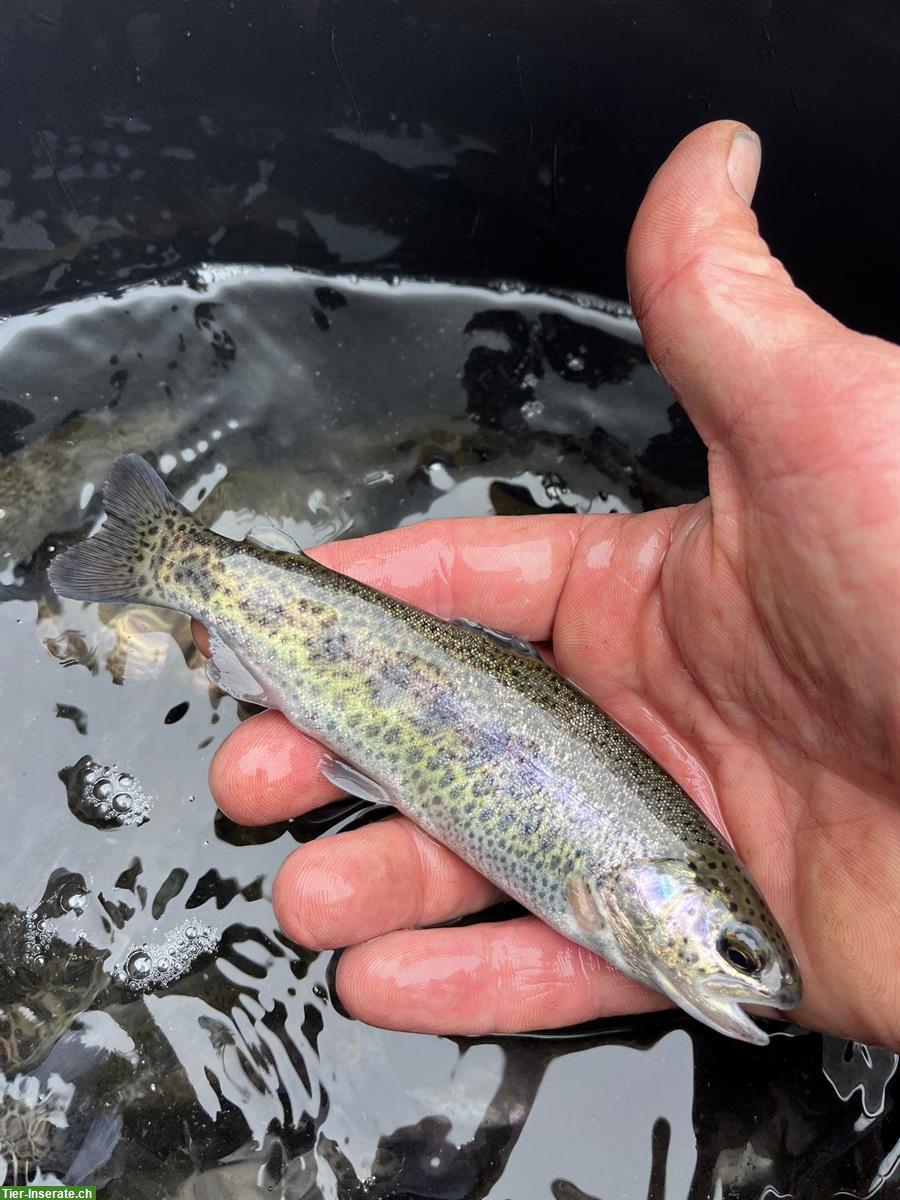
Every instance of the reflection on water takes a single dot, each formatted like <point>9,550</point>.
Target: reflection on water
<point>159,1036</point>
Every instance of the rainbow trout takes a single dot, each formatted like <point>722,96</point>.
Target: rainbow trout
<point>471,735</point>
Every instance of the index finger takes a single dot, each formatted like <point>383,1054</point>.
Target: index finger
<point>504,572</point>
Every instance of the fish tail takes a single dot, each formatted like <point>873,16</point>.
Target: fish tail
<point>123,561</point>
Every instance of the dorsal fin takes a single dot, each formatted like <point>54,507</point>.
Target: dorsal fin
<point>271,537</point>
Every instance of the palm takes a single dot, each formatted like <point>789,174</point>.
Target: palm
<point>748,641</point>
<point>700,659</point>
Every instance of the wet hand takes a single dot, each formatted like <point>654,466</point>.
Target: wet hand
<point>750,642</point>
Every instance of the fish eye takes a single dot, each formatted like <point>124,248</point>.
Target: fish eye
<point>740,954</point>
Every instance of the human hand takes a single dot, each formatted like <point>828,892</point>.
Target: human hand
<point>750,642</point>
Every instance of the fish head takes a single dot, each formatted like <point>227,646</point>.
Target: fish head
<point>698,931</point>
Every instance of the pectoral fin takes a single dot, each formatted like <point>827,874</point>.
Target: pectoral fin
<point>584,905</point>
<point>348,779</point>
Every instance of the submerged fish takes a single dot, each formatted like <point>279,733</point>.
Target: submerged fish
<point>471,735</point>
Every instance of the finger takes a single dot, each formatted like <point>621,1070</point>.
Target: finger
<point>201,637</point>
<point>490,978</point>
<point>746,351</point>
<point>266,770</point>
<point>504,572</point>
<point>356,885</point>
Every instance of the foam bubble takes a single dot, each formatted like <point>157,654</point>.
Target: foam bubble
<point>105,796</point>
<point>151,966</point>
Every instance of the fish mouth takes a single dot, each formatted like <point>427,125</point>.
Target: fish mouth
<point>718,1002</point>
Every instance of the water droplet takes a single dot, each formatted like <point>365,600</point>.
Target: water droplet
<point>160,965</point>
<point>103,796</point>
<point>374,477</point>
<point>139,965</point>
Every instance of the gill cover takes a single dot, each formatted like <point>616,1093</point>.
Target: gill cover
<point>665,926</point>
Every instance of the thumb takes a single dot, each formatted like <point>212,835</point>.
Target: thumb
<point>757,365</point>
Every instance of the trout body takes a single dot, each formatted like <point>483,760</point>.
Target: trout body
<point>471,735</point>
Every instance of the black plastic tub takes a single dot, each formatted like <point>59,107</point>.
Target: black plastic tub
<point>503,140</point>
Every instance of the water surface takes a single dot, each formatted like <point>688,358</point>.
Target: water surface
<point>159,1036</point>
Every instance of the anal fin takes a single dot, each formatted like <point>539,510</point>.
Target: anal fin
<point>227,672</point>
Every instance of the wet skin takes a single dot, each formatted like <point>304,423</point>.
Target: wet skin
<point>751,642</point>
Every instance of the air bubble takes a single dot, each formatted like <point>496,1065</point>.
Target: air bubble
<point>104,796</point>
<point>139,965</point>
<point>72,898</point>
<point>156,966</point>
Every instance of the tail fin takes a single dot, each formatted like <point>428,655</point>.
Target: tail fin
<point>120,562</point>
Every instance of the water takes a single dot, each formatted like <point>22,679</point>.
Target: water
<point>159,1036</point>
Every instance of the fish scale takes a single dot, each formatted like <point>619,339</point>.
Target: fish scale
<point>470,735</point>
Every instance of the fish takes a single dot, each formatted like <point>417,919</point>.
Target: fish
<point>45,985</point>
<point>46,487</point>
<point>469,733</point>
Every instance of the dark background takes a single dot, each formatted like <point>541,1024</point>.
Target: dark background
<point>485,140</point>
